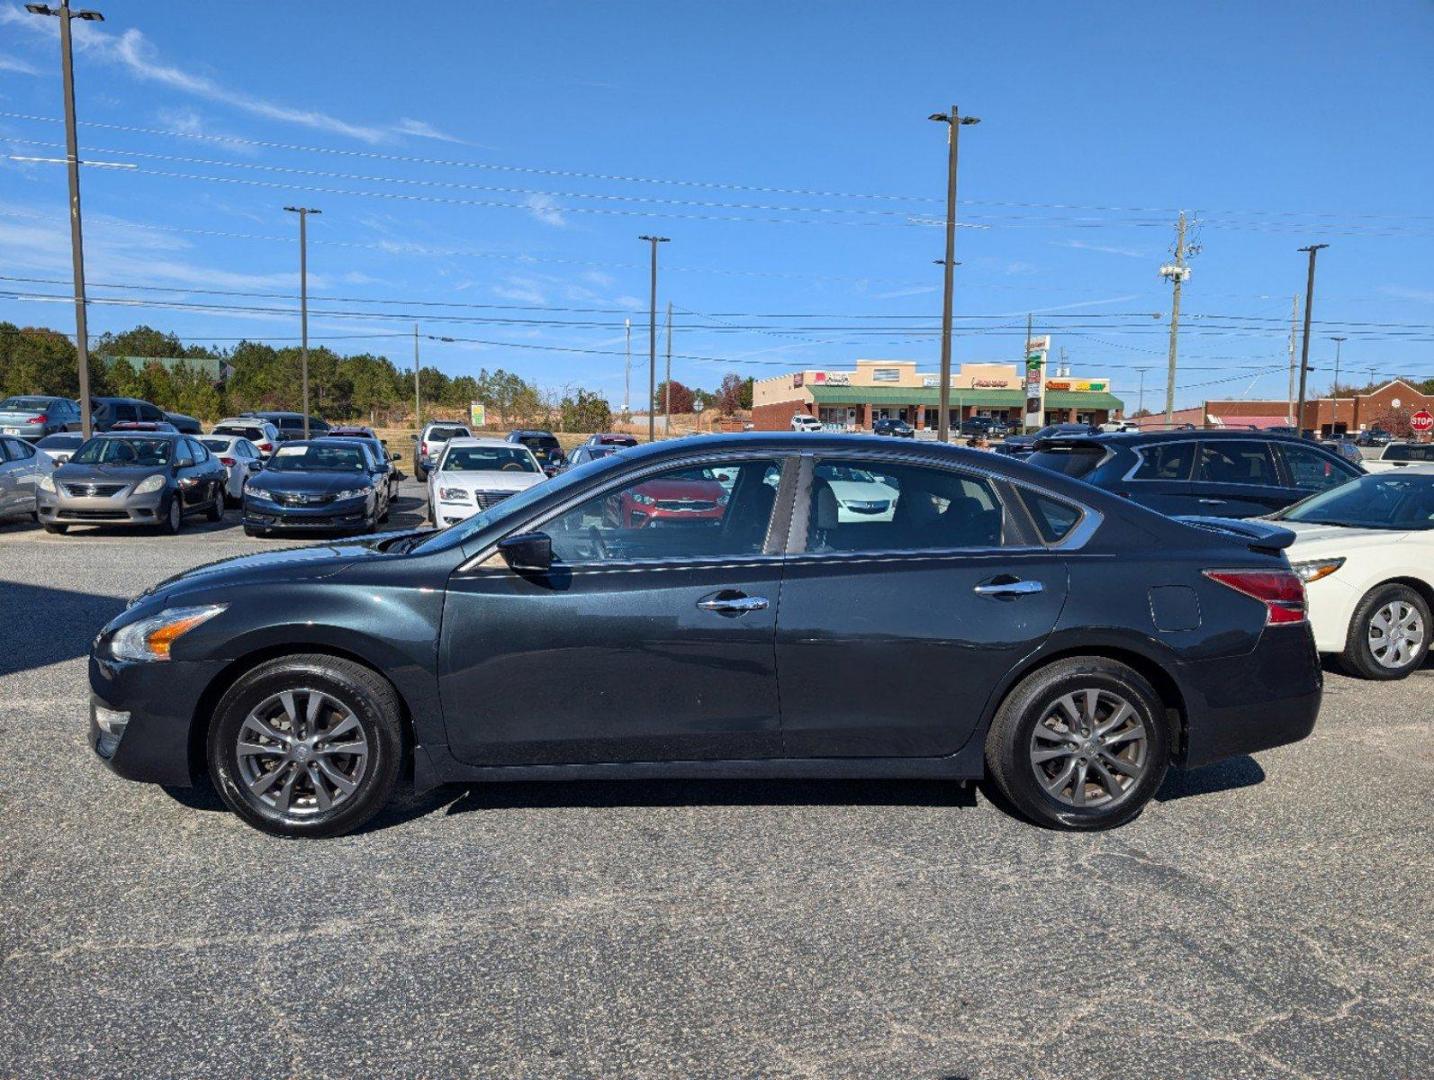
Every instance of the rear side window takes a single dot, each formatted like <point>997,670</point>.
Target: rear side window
<point>443,434</point>
<point>1165,461</point>
<point>1236,461</point>
<point>1311,470</point>
<point>877,505</point>
<point>1407,452</point>
<point>1054,518</point>
<point>1076,461</point>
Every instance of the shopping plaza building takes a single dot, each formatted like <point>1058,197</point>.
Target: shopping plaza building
<point>852,400</point>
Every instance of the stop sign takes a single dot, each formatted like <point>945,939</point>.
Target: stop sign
<point>1423,420</point>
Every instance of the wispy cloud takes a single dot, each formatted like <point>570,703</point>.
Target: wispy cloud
<point>136,54</point>
<point>546,210</point>
<point>17,66</point>
<point>896,294</point>
<point>521,291</point>
<point>1403,292</point>
<point>1104,249</point>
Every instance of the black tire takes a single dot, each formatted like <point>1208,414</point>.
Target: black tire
<point>216,508</point>
<point>374,706</point>
<point>1359,658</point>
<point>1011,742</point>
<point>58,530</point>
<point>420,474</point>
<point>173,516</point>
<point>249,530</point>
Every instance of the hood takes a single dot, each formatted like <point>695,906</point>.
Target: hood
<point>1313,539</point>
<point>310,482</point>
<point>489,480</point>
<point>80,473</point>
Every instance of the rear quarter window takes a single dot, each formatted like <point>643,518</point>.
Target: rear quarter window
<point>1075,461</point>
<point>1165,461</point>
<point>1054,518</point>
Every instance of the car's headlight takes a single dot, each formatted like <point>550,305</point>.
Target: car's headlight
<point>47,483</point>
<point>1315,569</point>
<point>151,638</point>
<point>150,484</point>
<point>352,493</point>
<point>645,500</point>
<point>455,495</point>
<point>255,492</point>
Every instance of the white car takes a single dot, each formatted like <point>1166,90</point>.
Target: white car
<point>1365,551</point>
<point>241,459</point>
<point>473,474</point>
<point>860,495</point>
<point>803,422</point>
<point>428,445</point>
<point>1398,455</point>
<point>60,446</point>
<point>261,433</point>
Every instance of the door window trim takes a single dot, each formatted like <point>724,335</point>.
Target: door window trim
<point>488,557</point>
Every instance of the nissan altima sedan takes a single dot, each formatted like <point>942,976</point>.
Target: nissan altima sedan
<point>1004,621</point>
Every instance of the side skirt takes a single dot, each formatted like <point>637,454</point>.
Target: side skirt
<point>434,765</point>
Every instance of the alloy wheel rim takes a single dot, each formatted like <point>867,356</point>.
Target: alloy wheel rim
<point>302,752</point>
<point>1396,634</point>
<point>1090,749</point>
<point>174,512</point>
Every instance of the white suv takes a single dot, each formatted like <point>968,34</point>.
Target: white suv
<point>473,474</point>
<point>803,422</point>
<point>428,447</point>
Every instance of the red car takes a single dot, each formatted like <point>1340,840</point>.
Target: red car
<point>700,499</point>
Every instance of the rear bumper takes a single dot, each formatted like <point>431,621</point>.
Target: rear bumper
<point>1268,697</point>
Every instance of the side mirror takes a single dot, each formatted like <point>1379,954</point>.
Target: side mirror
<point>527,551</point>
<point>255,466</point>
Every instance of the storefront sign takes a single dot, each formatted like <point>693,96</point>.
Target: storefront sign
<point>477,414</point>
<point>1080,386</point>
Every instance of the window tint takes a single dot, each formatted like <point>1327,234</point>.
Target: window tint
<point>125,412</point>
<point>505,458</point>
<point>883,506</point>
<point>694,512</point>
<point>1165,461</point>
<point>1074,461</point>
<point>1408,452</point>
<point>1231,461</point>
<point>6,452</point>
<point>197,451</point>
<point>1312,471</point>
<point>443,434</point>
<point>1054,519</point>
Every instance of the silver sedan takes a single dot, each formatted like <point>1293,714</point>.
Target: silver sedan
<point>21,469</point>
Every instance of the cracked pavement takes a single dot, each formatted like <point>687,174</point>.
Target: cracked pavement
<point>1268,917</point>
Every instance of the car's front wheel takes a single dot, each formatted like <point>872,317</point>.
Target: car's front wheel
<point>173,519</point>
<point>1079,744</point>
<point>1389,634</point>
<point>307,745</point>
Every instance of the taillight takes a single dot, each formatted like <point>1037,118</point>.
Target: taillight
<point>227,462</point>
<point>1281,591</point>
<point>423,448</point>
<point>266,447</point>
<point>38,420</point>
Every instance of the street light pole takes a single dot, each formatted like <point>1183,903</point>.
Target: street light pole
<point>667,382</point>
<point>953,141</point>
<point>72,161</point>
<point>1312,250</point>
<point>1334,386</point>
<point>652,342</point>
<point>1177,272</point>
<point>304,212</point>
<point>417,394</point>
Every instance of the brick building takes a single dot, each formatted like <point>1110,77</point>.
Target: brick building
<point>893,389</point>
<point>1388,406</point>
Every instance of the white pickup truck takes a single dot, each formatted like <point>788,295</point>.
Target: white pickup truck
<point>1397,455</point>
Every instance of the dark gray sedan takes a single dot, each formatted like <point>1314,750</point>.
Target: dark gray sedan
<point>143,478</point>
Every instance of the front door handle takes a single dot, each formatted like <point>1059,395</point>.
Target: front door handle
<point>1008,588</point>
<point>1212,502</point>
<point>733,604</point>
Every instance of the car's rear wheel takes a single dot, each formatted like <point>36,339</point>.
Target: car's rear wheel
<point>1389,634</point>
<point>216,508</point>
<point>1079,744</point>
<point>307,745</point>
<point>173,516</point>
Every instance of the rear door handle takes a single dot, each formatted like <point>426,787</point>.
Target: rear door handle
<point>733,604</point>
<point>1008,588</point>
<point>1211,502</point>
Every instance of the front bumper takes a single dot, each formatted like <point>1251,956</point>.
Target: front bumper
<point>349,514</point>
<point>161,699</point>
<point>121,509</point>
<point>1266,698</point>
<point>1331,606</point>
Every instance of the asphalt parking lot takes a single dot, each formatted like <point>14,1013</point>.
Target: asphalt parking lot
<point>1271,916</point>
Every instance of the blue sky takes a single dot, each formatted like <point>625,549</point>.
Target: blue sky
<point>498,157</point>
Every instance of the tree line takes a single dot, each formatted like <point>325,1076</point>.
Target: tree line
<point>360,386</point>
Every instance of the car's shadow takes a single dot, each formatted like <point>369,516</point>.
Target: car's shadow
<point>1229,775</point>
<point>59,624</point>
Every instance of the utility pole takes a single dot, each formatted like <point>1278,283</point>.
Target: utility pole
<point>304,212</point>
<point>627,374</point>
<point>1294,324</point>
<point>953,141</point>
<point>1312,250</point>
<point>1177,272</point>
<point>72,161</point>
<point>417,394</point>
<point>1334,386</point>
<point>1140,406</point>
<point>667,381</point>
<point>652,342</point>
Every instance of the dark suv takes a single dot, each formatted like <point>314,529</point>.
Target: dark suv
<point>1233,474</point>
<point>291,424</point>
<point>106,412</point>
<point>892,426</point>
<point>543,444</point>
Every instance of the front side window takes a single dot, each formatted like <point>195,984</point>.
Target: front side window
<point>1165,461</point>
<point>694,512</point>
<point>1312,471</point>
<point>506,458</point>
<point>1236,461</point>
<point>886,506</point>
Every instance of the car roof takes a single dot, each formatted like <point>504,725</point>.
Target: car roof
<point>480,440</point>
<point>1130,438</point>
<point>134,433</point>
<point>246,421</point>
<point>533,431</point>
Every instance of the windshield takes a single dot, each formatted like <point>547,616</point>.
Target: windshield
<point>488,459</point>
<point>57,442</point>
<point>17,404</point>
<point>216,444</point>
<point>124,452</point>
<point>315,457</point>
<point>1407,452</point>
<point>443,434</point>
<point>1400,500</point>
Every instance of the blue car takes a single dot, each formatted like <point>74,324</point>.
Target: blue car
<point>331,484</point>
